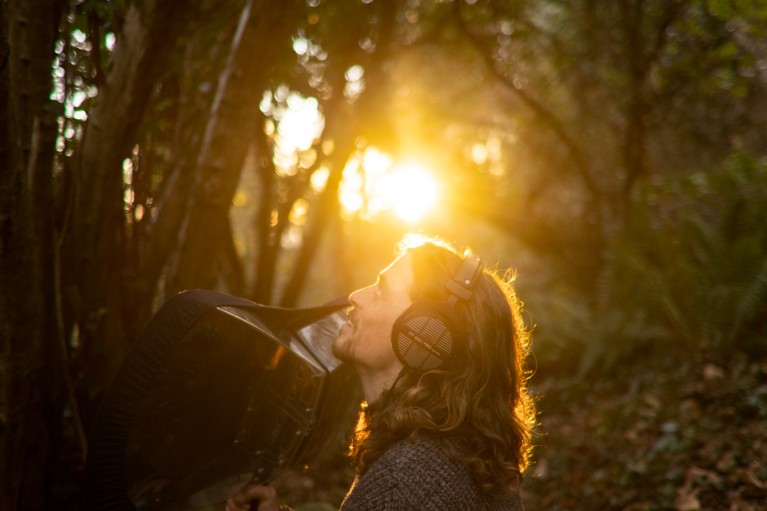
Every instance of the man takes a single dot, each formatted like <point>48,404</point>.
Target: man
<point>447,422</point>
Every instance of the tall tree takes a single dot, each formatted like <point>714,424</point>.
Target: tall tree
<point>261,40</point>
<point>94,246</point>
<point>31,401</point>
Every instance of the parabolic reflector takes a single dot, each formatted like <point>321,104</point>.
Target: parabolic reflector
<point>217,392</point>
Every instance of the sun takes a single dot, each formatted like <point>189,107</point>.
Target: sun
<point>374,184</point>
<point>411,191</point>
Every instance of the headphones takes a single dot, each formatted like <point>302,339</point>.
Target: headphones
<point>424,335</point>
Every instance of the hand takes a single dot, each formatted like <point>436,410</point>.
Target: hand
<point>265,495</point>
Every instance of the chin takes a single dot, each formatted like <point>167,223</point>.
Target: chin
<point>342,348</point>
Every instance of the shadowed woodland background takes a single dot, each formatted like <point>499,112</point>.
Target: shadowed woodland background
<point>612,152</point>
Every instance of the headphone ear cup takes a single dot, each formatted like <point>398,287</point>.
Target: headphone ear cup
<point>423,336</point>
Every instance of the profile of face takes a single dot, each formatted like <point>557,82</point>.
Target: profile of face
<point>365,340</point>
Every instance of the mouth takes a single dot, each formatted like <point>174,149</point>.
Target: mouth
<point>351,314</point>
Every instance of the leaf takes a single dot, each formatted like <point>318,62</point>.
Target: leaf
<point>687,502</point>
<point>712,372</point>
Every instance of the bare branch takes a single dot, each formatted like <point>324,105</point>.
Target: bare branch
<point>549,118</point>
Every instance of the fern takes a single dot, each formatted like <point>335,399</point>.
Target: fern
<point>751,300</point>
<point>690,268</point>
<point>697,244</point>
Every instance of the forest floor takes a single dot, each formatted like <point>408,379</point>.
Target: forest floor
<point>685,437</point>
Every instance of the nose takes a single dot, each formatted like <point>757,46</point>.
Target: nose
<point>357,297</point>
<point>354,298</point>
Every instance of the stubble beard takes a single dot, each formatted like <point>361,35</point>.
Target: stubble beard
<point>342,349</point>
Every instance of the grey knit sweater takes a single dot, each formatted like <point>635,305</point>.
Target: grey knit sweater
<point>418,476</point>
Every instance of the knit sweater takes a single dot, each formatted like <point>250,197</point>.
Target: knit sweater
<point>417,475</point>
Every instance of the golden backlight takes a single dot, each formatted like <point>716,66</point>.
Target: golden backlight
<point>411,191</point>
<point>374,184</point>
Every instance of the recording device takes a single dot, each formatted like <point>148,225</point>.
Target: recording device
<point>424,336</point>
<point>217,392</point>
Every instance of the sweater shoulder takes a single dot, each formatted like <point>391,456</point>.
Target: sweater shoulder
<point>422,460</point>
<point>412,464</point>
<point>416,474</point>
<point>411,474</point>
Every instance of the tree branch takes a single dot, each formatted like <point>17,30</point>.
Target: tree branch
<point>575,152</point>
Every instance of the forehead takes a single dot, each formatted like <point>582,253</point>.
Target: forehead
<point>399,274</point>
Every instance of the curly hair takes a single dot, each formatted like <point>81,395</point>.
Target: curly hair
<point>477,406</point>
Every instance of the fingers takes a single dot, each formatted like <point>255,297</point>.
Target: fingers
<point>265,495</point>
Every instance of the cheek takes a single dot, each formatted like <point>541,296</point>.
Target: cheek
<point>367,339</point>
<point>383,331</point>
<point>383,328</point>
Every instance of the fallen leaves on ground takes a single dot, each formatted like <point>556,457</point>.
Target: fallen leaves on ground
<point>653,436</point>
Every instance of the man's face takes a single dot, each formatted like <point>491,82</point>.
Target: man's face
<point>365,341</point>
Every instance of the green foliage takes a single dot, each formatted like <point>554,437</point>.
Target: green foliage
<point>575,333</point>
<point>694,256</point>
<point>687,273</point>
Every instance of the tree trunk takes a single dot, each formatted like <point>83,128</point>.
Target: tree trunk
<point>30,365</point>
<point>95,251</point>
<point>263,34</point>
<point>268,235</point>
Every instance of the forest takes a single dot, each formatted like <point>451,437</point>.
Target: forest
<point>610,153</point>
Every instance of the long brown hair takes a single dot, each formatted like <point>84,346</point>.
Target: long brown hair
<point>477,406</point>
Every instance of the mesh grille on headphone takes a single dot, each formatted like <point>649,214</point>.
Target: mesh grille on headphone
<point>424,342</point>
